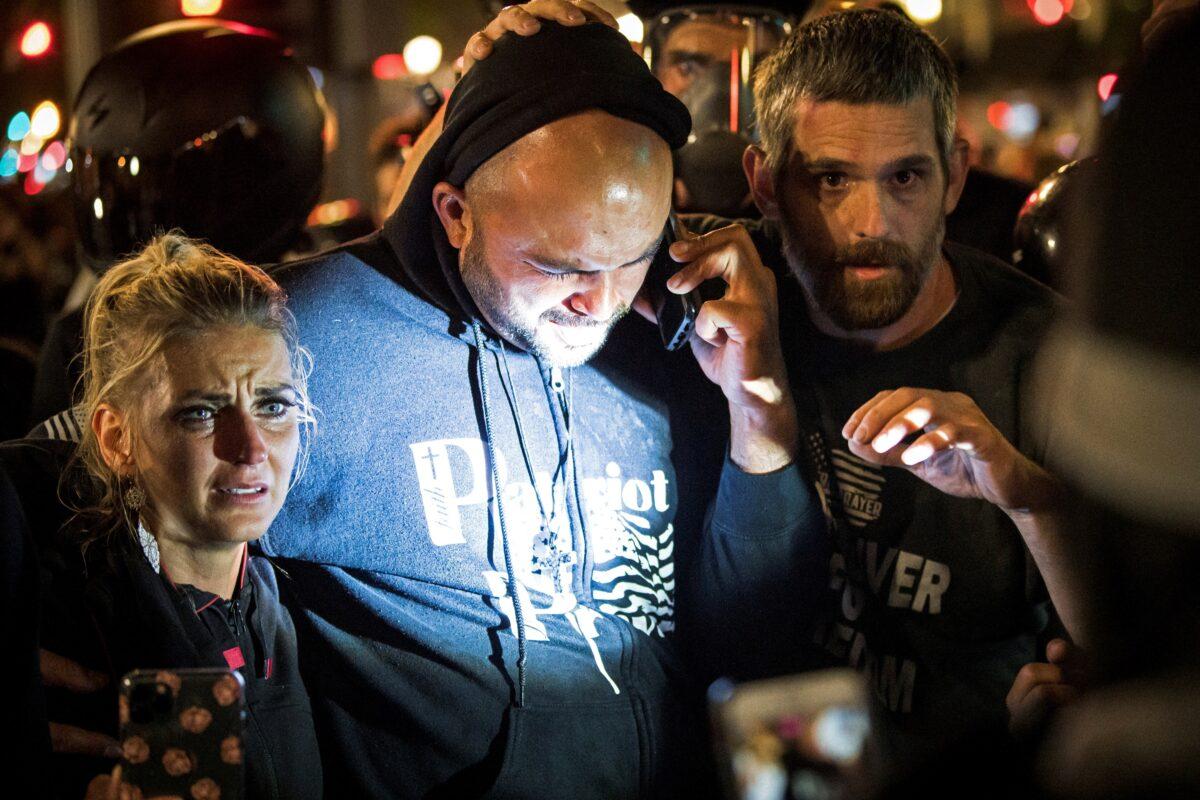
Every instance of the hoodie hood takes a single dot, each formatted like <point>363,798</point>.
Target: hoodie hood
<point>505,97</point>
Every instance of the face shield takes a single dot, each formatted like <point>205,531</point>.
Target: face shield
<point>705,55</point>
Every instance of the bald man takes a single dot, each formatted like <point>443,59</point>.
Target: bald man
<point>481,550</point>
<point>555,233</point>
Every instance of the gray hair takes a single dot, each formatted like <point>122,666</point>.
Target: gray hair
<point>863,56</point>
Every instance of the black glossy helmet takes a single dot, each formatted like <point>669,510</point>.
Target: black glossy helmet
<point>1044,221</point>
<point>203,125</point>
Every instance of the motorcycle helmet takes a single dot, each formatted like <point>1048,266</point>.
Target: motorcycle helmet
<point>207,126</point>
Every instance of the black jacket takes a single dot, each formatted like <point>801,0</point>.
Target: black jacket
<point>25,712</point>
<point>113,613</point>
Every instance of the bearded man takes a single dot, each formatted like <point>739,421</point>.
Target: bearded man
<point>908,357</point>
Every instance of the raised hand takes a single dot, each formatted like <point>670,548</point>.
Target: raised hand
<point>525,20</point>
<point>960,451</point>
<point>736,342</point>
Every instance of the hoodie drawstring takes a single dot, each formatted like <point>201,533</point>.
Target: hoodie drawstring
<point>511,574</point>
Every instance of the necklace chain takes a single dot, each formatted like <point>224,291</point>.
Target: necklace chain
<point>548,556</point>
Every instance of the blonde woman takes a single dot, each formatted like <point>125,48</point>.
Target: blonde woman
<point>195,400</point>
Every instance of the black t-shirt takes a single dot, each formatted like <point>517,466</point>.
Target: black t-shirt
<point>935,598</point>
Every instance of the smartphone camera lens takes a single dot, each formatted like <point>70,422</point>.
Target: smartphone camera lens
<point>150,702</point>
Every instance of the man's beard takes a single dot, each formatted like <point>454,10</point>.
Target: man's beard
<point>854,304</point>
<point>492,300</point>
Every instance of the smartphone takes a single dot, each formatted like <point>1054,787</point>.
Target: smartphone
<point>676,313</point>
<point>181,733</point>
<point>800,737</point>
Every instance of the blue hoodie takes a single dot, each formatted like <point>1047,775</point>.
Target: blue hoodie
<point>421,568</point>
<point>483,547</point>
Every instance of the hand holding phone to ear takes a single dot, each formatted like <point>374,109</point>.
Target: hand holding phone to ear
<point>736,341</point>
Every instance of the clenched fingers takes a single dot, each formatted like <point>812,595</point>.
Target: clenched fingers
<point>1037,704</point>
<point>1038,689</point>
<point>1029,677</point>
<point>726,320</point>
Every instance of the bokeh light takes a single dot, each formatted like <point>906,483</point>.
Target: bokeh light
<point>42,174</point>
<point>997,114</point>
<point>1066,144</point>
<point>333,212</point>
<point>55,156</point>
<point>31,144</point>
<point>1018,121</point>
<point>423,55</point>
<point>36,40</point>
<point>46,120</point>
<point>631,27</point>
<point>924,12</point>
<point>200,8</point>
<point>8,163</point>
<point>1104,86</point>
<point>1023,121</point>
<point>389,67</point>
<point>18,126</point>
<point>1050,12</point>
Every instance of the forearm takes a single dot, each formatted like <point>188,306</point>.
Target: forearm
<point>764,439</point>
<point>1061,558</point>
<point>1038,504</point>
<point>761,575</point>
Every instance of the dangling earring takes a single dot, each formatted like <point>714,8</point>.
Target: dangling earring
<point>134,497</point>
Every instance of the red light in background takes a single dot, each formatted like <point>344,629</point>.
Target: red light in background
<point>735,80</point>
<point>33,185</point>
<point>1050,12</point>
<point>389,67</point>
<point>997,114</point>
<point>1104,87</point>
<point>36,40</point>
<point>54,157</point>
<point>200,8</point>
